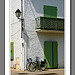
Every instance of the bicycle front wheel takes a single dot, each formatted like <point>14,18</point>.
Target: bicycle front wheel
<point>27,66</point>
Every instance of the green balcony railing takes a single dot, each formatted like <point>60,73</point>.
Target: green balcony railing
<point>49,23</point>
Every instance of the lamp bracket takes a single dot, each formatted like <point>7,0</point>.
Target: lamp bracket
<point>21,19</point>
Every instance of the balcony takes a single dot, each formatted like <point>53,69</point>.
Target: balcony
<point>53,25</point>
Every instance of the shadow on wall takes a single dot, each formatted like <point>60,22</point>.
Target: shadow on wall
<point>45,37</point>
<point>40,37</point>
<point>37,5</point>
<point>26,38</point>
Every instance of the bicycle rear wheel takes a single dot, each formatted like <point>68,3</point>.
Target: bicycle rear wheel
<point>32,67</point>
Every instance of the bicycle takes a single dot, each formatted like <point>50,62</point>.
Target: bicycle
<point>37,65</point>
<point>29,61</point>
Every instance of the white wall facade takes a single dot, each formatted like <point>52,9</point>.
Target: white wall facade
<point>15,31</point>
<point>34,40</point>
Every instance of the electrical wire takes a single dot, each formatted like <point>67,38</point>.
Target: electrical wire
<point>15,33</point>
<point>19,21</point>
<point>15,22</point>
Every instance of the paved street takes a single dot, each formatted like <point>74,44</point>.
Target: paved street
<point>47,72</point>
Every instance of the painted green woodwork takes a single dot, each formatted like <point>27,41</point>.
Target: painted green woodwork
<point>55,55</point>
<point>12,49</point>
<point>47,23</point>
<point>50,54</point>
<point>50,11</point>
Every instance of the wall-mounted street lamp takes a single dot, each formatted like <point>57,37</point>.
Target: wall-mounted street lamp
<point>18,13</point>
<point>19,16</point>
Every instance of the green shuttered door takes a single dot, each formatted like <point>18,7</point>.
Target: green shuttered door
<point>12,49</point>
<point>55,55</point>
<point>50,54</point>
<point>50,11</point>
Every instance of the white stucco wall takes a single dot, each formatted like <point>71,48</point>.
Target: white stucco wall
<point>34,40</point>
<point>15,29</point>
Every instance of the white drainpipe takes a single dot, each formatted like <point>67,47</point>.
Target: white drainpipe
<point>24,56</point>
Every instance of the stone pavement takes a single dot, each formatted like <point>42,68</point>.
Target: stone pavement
<point>47,72</point>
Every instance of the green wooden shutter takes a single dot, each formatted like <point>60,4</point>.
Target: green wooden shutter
<point>50,11</point>
<point>51,53</point>
<point>12,50</point>
<point>48,53</point>
<point>55,54</point>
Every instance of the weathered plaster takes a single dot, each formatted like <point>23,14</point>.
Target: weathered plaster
<point>35,41</point>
